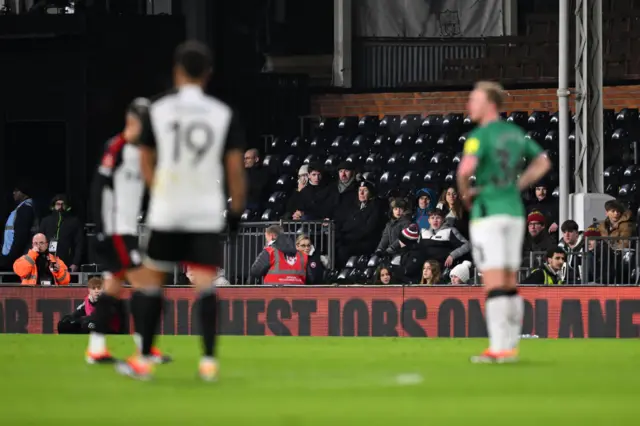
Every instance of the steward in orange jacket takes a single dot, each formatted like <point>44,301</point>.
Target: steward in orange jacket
<point>39,267</point>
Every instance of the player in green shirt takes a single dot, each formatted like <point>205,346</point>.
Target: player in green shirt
<point>494,152</point>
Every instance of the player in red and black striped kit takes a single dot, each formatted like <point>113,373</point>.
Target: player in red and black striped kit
<point>116,201</point>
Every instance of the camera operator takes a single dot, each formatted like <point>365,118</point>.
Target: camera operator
<point>40,266</point>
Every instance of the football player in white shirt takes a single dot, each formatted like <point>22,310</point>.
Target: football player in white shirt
<point>192,158</point>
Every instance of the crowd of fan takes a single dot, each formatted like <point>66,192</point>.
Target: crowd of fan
<point>423,237</point>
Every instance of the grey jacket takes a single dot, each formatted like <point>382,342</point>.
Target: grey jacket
<point>391,234</point>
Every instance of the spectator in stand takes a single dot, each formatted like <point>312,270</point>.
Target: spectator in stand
<point>21,225</point>
<point>81,320</point>
<point>573,245</point>
<point>400,219</point>
<point>39,267</point>
<point>305,203</point>
<point>280,262</point>
<point>456,215</point>
<point>551,272</point>
<point>461,274</point>
<point>317,265</point>
<point>382,276</point>
<point>431,274</point>
<point>600,262</point>
<point>618,224</point>
<point>425,201</point>
<point>257,179</point>
<point>536,240</point>
<point>336,197</point>
<point>64,230</point>
<point>442,242</point>
<point>407,265</point>
<point>543,202</point>
<point>358,225</point>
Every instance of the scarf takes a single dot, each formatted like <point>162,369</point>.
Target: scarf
<point>343,186</point>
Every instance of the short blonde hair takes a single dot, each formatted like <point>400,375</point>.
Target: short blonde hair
<point>95,282</point>
<point>494,91</point>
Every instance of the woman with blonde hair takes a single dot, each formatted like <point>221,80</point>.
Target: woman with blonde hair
<point>316,267</point>
<point>431,274</point>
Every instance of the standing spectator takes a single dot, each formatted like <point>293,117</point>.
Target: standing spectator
<point>280,262</point>
<point>39,267</point>
<point>316,269</point>
<point>339,196</point>
<point>63,228</point>
<point>257,179</point>
<point>536,240</point>
<point>306,203</point>
<point>544,203</point>
<point>461,274</point>
<point>442,242</point>
<point>618,224</point>
<point>431,274</point>
<point>19,228</point>
<point>426,201</point>
<point>408,264</point>
<point>551,272</point>
<point>601,260</point>
<point>455,214</point>
<point>382,275</point>
<point>358,225</point>
<point>573,245</point>
<point>400,219</point>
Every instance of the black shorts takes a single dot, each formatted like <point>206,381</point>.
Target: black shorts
<point>165,249</point>
<point>118,253</point>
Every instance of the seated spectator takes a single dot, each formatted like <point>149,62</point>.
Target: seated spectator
<point>358,225</point>
<point>382,275</point>
<point>455,214</point>
<point>573,245</point>
<point>551,272</point>
<point>306,203</point>
<point>400,219</point>
<point>39,267</point>
<point>536,240</point>
<point>461,274</point>
<point>442,242</point>
<point>317,265</point>
<point>426,201</point>
<point>66,230</point>
<point>600,264</point>
<point>280,262</point>
<point>618,224</point>
<point>81,321</point>
<point>431,274</point>
<point>257,179</point>
<point>546,204</point>
<point>407,265</point>
<point>338,196</point>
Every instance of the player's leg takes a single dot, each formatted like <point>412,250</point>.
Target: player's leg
<point>97,351</point>
<point>515,227</point>
<point>490,247</point>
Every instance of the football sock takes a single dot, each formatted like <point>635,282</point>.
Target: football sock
<point>136,298</point>
<point>516,316</point>
<point>103,311</point>
<point>208,320</point>
<point>151,311</point>
<point>497,309</point>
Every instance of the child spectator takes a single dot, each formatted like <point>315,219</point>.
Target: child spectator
<point>431,273</point>
<point>383,275</point>
<point>426,201</point>
<point>399,220</point>
<point>617,224</point>
<point>461,274</point>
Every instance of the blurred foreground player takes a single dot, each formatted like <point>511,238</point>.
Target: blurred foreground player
<point>116,199</point>
<point>494,152</point>
<point>191,144</point>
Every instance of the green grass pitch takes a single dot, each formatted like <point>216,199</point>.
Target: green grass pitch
<point>324,381</point>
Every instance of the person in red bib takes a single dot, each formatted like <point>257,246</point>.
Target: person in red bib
<point>280,263</point>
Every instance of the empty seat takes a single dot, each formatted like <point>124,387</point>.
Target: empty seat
<point>299,146</point>
<point>290,164</point>
<point>373,162</point>
<point>361,143</point>
<point>280,145</point>
<point>404,142</point>
<point>418,160</point>
<point>328,126</point>
<point>390,125</point>
<point>285,183</point>
<point>538,121</point>
<point>518,117</point>
<point>319,145</point>
<point>368,125</point>
<point>348,125</point>
<point>271,163</point>
<point>452,121</point>
<point>410,124</point>
<point>431,124</point>
<point>339,146</point>
<point>397,161</point>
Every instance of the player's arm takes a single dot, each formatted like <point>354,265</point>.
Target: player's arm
<point>538,167</point>
<point>147,144</point>
<point>467,167</point>
<point>234,166</point>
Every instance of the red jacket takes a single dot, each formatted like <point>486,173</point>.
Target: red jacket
<point>286,269</point>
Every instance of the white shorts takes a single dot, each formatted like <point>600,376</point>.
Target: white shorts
<point>497,242</point>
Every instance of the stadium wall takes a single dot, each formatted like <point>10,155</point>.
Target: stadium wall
<point>336,105</point>
<point>389,311</point>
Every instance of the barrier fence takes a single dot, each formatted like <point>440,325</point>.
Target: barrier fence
<point>407,311</point>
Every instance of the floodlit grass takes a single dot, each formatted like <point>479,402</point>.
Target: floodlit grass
<point>324,381</point>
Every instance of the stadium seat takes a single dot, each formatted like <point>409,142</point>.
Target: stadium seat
<point>398,161</point>
<point>357,160</point>
<point>290,164</point>
<point>627,117</point>
<point>339,146</point>
<point>435,177</point>
<point>452,122</point>
<point>390,125</point>
<point>348,125</point>
<point>285,183</point>
<point>410,124</point>
<point>631,174</point>
<point>370,176</point>
<point>418,160</point>
<point>362,144</point>
<point>319,145</point>
<point>278,198</point>
<point>250,216</point>
<point>328,126</point>
<point>538,121</point>
<point>310,159</point>
<point>374,261</point>
<point>518,117</point>
<point>272,214</point>
<point>432,124</point>
<point>332,162</point>
<point>369,275</point>
<point>388,181</point>
<point>450,178</point>
<point>373,162</point>
<point>440,160</point>
<point>299,146</point>
<point>280,145</point>
<point>382,144</point>
<point>411,180</point>
<point>368,125</point>
<point>271,163</point>
<point>404,142</point>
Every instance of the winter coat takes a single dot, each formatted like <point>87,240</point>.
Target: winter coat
<point>421,216</point>
<point>69,232</point>
<point>624,229</point>
<point>391,234</point>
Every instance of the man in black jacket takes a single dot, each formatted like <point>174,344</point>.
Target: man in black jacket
<point>407,266</point>
<point>257,179</point>
<point>66,230</point>
<point>21,225</point>
<point>537,240</point>
<point>340,195</point>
